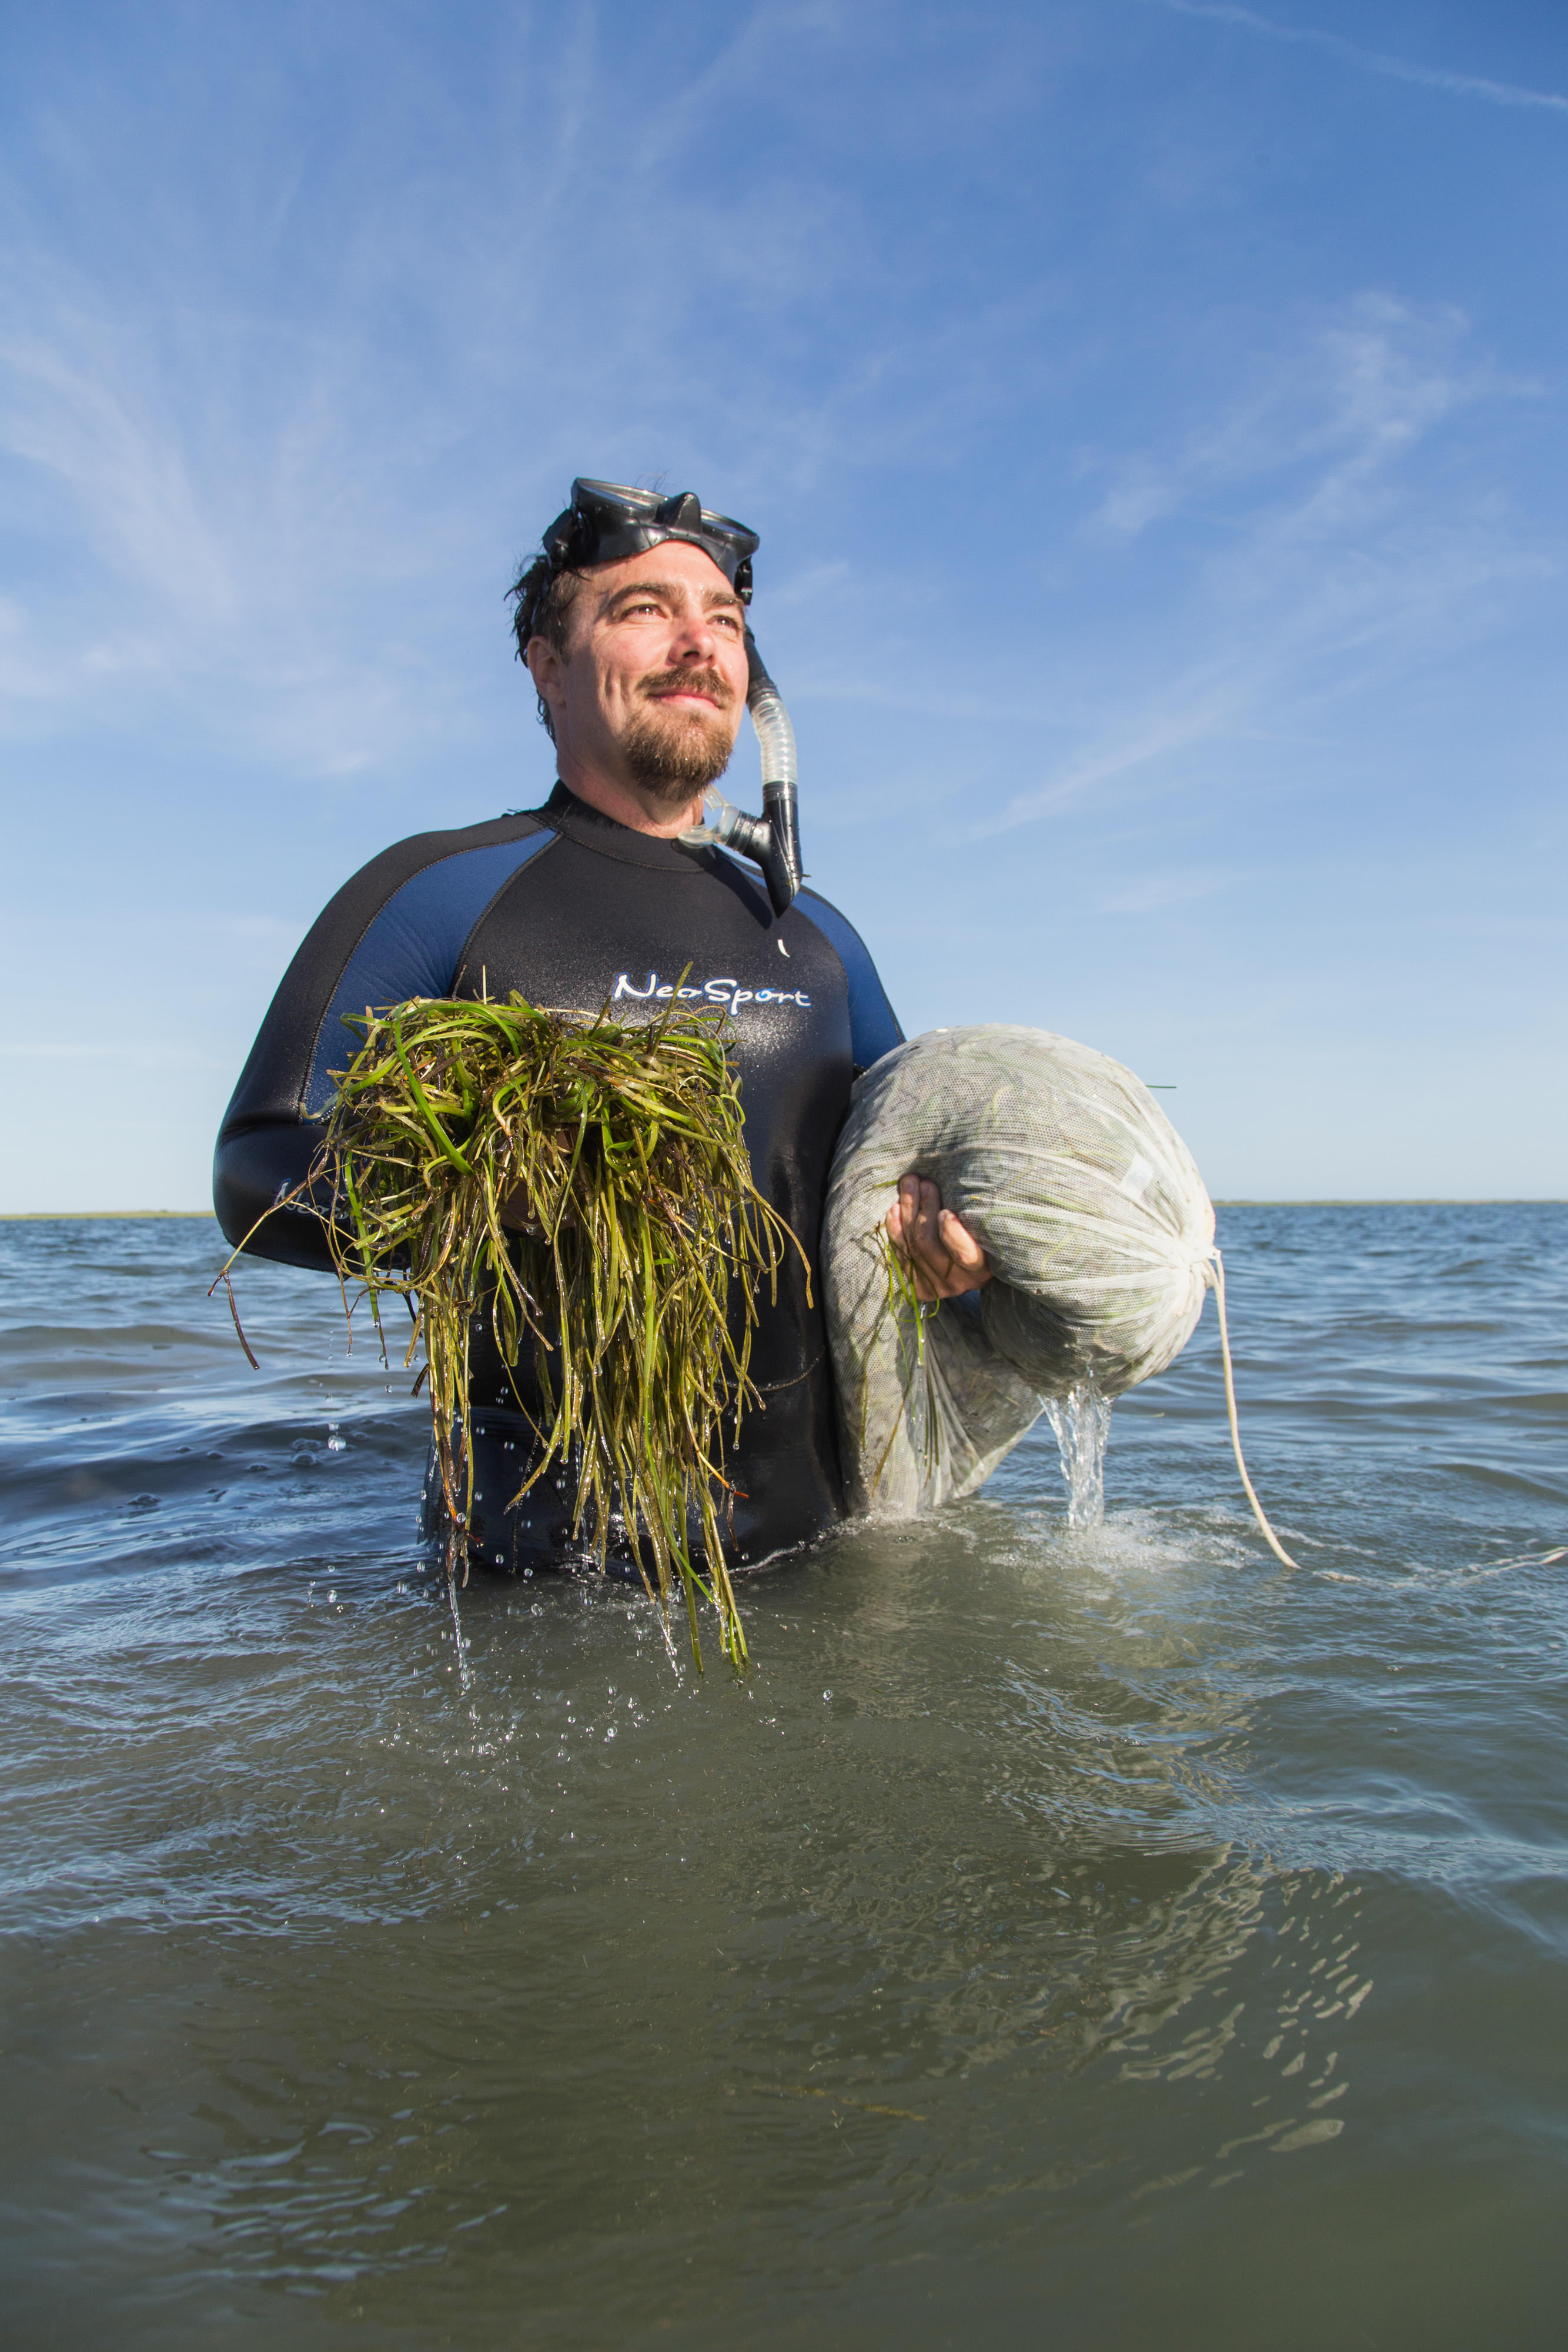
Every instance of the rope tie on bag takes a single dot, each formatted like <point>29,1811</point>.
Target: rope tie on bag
<point>1214,1278</point>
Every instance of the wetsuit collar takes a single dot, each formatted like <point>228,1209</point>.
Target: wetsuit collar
<point>565,813</point>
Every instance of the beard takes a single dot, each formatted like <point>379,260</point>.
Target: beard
<point>675,754</point>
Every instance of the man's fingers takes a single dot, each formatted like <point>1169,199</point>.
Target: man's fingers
<point>928,1220</point>
<point>902,1231</point>
<point>960,1244</point>
<point>944,1257</point>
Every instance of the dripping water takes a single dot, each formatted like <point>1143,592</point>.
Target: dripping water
<point>1082,1421</point>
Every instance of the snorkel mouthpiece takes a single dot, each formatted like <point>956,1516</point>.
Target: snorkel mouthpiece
<point>773,839</point>
<point>606,521</point>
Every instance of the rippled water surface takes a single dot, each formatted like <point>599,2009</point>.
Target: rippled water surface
<point>1091,1938</point>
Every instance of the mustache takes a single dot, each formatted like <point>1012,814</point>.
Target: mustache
<point>686,680</point>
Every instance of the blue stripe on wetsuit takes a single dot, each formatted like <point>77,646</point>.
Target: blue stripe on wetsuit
<point>412,947</point>
<point>873,1026</point>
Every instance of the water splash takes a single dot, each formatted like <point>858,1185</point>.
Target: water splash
<point>1082,1421</point>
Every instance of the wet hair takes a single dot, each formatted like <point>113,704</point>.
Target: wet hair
<point>542,599</point>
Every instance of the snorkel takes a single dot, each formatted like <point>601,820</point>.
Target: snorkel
<point>606,521</point>
<point>773,839</point>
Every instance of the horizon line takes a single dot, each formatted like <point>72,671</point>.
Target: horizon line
<point>1251,1201</point>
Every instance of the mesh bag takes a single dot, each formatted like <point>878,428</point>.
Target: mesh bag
<point>1090,1209</point>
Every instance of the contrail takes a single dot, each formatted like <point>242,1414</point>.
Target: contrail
<point>1453,85</point>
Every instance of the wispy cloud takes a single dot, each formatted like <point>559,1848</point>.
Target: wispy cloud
<point>1177,887</point>
<point>1317,562</point>
<point>1349,53</point>
<point>206,559</point>
<point>1337,408</point>
<point>270,483</point>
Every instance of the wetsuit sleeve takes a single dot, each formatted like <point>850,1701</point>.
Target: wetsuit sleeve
<point>397,930</point>
<point>874,1024</point>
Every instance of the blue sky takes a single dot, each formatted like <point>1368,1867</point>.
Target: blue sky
<point>1154,414</point>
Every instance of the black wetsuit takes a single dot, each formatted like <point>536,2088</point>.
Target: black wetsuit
<point>573,909</point>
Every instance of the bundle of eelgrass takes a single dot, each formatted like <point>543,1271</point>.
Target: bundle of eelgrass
<point>584,1184</point>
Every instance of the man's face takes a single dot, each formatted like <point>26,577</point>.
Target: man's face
<point>653,682</point>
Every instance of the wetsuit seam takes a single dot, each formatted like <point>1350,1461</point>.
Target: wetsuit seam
<point>302,1099</point>
<point>460,968</point>
<point>852,983</point>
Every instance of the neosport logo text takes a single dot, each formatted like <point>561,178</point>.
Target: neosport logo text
<point>728,992</point>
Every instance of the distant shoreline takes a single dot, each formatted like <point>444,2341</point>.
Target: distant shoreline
<point>90,1216</point>
<point>1382,1200</point>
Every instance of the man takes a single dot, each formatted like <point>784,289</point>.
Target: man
<point>632,624</point>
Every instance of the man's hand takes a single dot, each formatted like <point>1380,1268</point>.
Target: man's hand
<point>941,1255</point>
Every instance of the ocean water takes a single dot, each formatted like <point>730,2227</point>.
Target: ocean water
<point>1098,1938</point>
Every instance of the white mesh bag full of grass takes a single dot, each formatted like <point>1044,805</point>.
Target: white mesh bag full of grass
<point>1093,1217</point>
